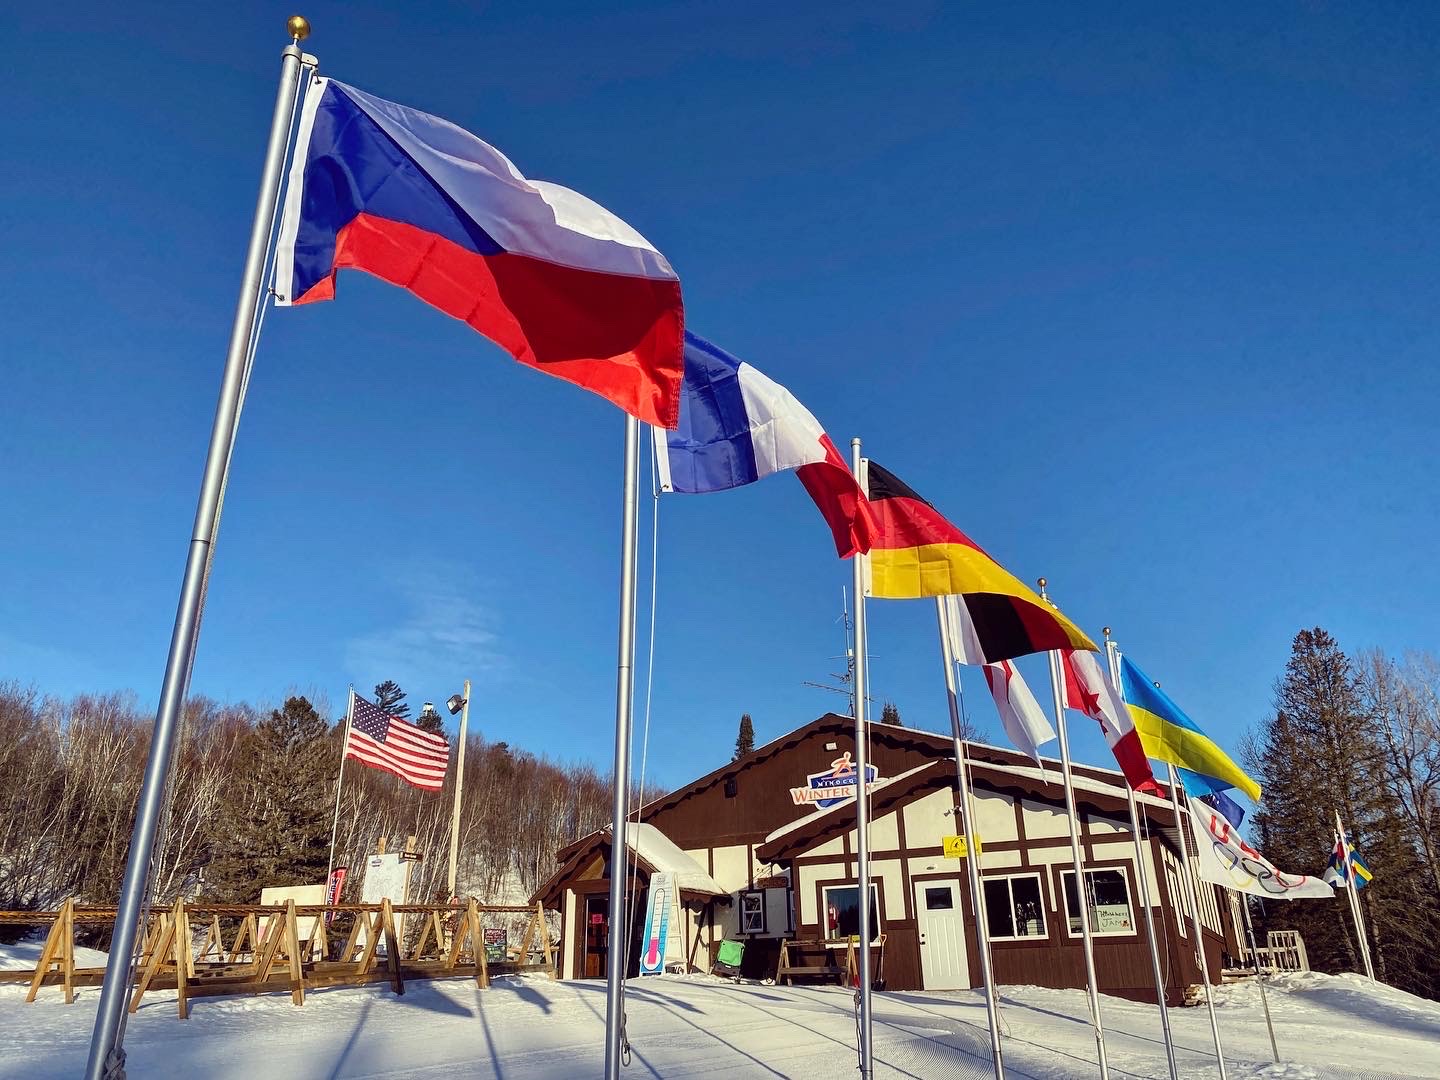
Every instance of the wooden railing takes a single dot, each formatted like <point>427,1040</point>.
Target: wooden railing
<point>267,952</point>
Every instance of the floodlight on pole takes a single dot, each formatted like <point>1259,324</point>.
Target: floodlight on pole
<point>458,703</point>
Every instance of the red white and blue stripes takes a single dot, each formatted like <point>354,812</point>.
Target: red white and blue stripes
<point>556,280</point>
<point>737,426</point>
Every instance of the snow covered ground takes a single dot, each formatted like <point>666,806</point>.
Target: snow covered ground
<point>534,1029</point>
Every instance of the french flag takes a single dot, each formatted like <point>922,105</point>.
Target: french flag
<point>737,427</point>
<point>556,280</point>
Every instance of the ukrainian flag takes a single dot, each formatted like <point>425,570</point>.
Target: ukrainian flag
<point>1167,734</point>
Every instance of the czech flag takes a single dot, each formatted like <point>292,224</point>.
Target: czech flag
<point>557,281</point>
<point>737,426</point>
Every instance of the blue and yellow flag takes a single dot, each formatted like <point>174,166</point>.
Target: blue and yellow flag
<point>1169,735</point>
<point>1336,874</point>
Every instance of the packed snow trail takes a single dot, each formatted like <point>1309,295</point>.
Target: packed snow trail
<point>536,1029</point>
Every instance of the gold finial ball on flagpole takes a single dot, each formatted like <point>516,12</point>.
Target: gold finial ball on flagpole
<point>298,27</point>
<point>1105,630</point>
<point>1041,582</point>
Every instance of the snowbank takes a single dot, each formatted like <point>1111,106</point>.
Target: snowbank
<point>535,1029</point>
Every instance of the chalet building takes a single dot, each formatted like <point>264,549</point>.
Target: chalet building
<point>762,854</point>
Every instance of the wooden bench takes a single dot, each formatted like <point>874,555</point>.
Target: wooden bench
<point>787,970</point>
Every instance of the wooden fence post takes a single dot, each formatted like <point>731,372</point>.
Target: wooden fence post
<point>246,932</point>
<point>68,946</point>
<point>372,941</point>
<point>297,959</point>
<point>164,945</point>
<point>182,959</point>
<point>477,942</point>
<point>392,947</point>
<point>526,941</point>
<point>265,957</point>
<point>53,953</point>
<point>545,937</point>
<point>457,940</point>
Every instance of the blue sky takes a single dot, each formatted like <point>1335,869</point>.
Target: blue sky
<point>1144,300</point>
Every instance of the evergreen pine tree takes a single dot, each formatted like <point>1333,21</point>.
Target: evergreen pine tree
<point>430,721</point>
<point>277,828</point>
<point>1318,753</point>
<point>890,714</point>
<point>391,699</point>
<point>745,741</point>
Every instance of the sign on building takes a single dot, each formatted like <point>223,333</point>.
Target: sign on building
<point>832,785</point>
<point>955,847</point>
<point>661,936</point>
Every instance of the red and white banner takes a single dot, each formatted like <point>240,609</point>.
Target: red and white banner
<point>332,890</point>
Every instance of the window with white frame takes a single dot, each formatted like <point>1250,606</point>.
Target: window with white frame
<point>1014,907</point>
<point>1107,895</point>
<point>752,912</point>
<point>840,912</point>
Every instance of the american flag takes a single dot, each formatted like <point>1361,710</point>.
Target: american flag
<point>386,742</point>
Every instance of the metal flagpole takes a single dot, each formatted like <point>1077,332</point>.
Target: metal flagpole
<point>1142,862</point>
<point>1354,897</point>
<point>107,1055</point>
<point>459,780</point>
<point>335,825</point>
<point>1259,976</point>
<point>862,796</point>
<point>972,843</point>
<point>619,812</point>
<point>1081,893</point>
<point>1182,820</point>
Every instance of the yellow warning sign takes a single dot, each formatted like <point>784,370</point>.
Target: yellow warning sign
<point>955,846</point>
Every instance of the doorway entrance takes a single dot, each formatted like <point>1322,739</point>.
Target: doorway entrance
<point>943,962</point>
<point>596,946</point>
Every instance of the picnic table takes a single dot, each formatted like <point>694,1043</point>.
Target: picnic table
<point>795,953</point>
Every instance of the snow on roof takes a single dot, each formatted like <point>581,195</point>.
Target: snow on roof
<point>1082,783</point>
<point>878,785</point>
<point>657,849</point>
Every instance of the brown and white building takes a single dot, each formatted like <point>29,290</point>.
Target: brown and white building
<point>757,857</point>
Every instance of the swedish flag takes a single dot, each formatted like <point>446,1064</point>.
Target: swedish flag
<point>1167,734</point>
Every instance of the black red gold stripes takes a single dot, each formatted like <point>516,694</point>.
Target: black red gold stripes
<point>916,552</point>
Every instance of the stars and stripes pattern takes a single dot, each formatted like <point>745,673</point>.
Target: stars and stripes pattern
<point>386,742</point>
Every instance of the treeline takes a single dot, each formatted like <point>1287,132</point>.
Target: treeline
<point>1361,736</point>
<point>252,803</point>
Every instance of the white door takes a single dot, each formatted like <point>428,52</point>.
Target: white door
<point>943,962</point>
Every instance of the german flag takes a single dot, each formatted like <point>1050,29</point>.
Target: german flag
<point>916,553</point>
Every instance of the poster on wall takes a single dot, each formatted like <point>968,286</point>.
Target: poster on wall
<point>1111,918</point>
<point>659,909</point>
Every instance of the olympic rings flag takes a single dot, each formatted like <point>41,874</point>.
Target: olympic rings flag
<point>1228,860</point>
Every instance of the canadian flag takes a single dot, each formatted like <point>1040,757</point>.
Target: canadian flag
<point>1087,690</point>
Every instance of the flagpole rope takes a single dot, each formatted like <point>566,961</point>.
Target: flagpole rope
<point>254,341</point>
<point>645,730</point>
